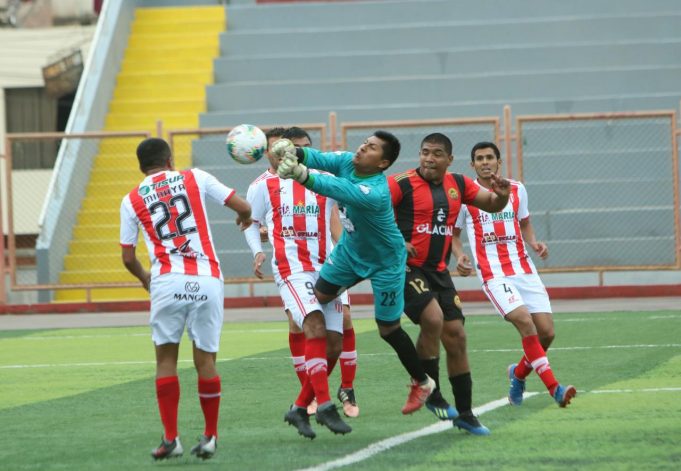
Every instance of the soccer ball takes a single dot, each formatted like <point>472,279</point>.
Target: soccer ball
<point>246,144</point>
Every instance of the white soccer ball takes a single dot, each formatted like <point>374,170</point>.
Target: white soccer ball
<point>246,143</point>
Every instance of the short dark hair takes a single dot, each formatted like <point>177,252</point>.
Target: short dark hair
<point>153,152</point>
<point>275,132</point>
<point>294,132</point>
<point>391,145</point>
<point>438,138</point>
<point>485,145</point>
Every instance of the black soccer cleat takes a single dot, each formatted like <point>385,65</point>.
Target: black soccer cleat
<point>329,417</point>
<point>467,421</point>
<point>301,421</point>
<point>347,398</point>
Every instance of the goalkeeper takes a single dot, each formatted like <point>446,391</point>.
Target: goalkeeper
<point>371,246</point>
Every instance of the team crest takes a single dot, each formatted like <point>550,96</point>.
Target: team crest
<point>453,194</point>
<point>457,301</point>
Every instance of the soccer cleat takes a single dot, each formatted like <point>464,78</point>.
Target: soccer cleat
<point>442,409</point>
<point>470,423</point>
<point>205,449</point>
<point>347,397</point>
<point>418,394</point>
<point>328,416</point>
<point>517,388</point>
<point>312,407</point>
<point>564,394</point>
<point>299,419</point>
<point>167,449</point>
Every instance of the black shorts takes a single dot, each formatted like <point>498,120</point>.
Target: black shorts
<point>421,286</point>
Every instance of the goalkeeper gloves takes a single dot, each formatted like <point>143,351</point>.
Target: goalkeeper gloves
<point>291,168</point>
<point>281,147</point>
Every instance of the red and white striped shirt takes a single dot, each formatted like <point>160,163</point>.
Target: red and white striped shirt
<point>170,207</point>
<point>496,240</point>
<point>297,220</point>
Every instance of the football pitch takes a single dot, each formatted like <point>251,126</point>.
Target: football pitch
<point>85,399</point>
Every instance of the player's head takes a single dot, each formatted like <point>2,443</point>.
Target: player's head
<point>435,155</point>
<point>485,159</point>
<point>378,152</point>
<point>298,136</point>
<point>272,136</point>
<point>154,153</point>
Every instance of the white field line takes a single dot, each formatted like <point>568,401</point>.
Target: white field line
<point>287,358</point>
<point>383,445</point>
<point>392,442</point>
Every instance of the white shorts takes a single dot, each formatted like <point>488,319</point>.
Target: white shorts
<point>510,292</point>
<point>297,293</point>
<point>196,302</point>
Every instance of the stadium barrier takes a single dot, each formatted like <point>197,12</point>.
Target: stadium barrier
<point>603,191</point>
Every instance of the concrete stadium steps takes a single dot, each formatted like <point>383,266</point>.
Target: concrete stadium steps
<point>559,85</point>
<point>163,76</point>
<point>448,33</point>
<point>444,109</point>
<point>332,14</point>
<point>523,58</point>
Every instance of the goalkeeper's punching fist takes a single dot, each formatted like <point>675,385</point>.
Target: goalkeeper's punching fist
<point>289,166</point>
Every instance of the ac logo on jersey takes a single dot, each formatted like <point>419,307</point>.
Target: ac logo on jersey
<point>441,215</point>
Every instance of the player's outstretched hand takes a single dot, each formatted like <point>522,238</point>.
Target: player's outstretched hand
<point>501,186</point>
<point>281,147</point>
<point>290,168</point>
<point>464,266</point>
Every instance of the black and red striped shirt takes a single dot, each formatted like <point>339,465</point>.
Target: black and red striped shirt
<point>426,213</point>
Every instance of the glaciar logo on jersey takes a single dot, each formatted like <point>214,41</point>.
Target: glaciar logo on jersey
<point>290,233</point>
<point>439,229</point>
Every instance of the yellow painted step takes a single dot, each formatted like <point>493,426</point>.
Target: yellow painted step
<point>109,188</point>
<point>103,216</point>
<point>120,145</point>
<point>178,25</point>
<point>157,106</point>
<point>174,51</point>
<point>167,78</point>
<point>161,64</point>
<point>178,13</point>
<point>92,246</point>
<point>166,43</point>
<point>97,231</point>
<point>101,203</point>
<point>96,276</point>
<point>131,176</point>
<point>104,261</point>
<point>127,163</point>
<point>101,294</point>
<point>160,91</point>
<point>123,122</point>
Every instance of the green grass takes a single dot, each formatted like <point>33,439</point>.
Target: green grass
<point>84,399</point>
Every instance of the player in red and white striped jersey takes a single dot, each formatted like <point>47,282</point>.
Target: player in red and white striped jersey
<point>185,280</point>
<point>509,277</point>
<point>299,226</point>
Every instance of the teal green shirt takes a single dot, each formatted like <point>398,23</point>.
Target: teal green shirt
<point>370,237</point>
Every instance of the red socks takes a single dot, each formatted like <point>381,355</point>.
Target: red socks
<point>168,397</point>
<point>317,372</point>
<point>296,343</point>
<point>523,368</point>
<point>209,397</point>
<point>348,359</point>
<point>535,353</point>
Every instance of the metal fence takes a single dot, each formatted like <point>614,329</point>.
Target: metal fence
<point>603,191</point>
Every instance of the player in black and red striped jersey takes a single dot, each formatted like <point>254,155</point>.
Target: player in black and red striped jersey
<point>427,201</point>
